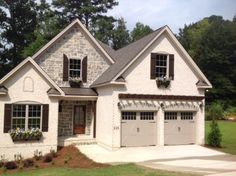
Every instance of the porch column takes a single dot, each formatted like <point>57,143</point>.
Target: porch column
<point>160,127</point>
<point>94,109</point>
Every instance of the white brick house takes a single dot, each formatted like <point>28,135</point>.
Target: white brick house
<point>79,90</point>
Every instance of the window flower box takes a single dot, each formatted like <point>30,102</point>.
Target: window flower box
<point>163,82</point>
<point>25,135</point>
<point>75,82</point>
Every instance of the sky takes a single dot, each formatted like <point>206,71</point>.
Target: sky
<point>174,13</point>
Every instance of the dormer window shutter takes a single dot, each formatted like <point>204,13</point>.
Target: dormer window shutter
<point>171,66</point>
<point>7,118</point>
<point>65,67</point>
<point>153,66</point>
<point>84,69</point>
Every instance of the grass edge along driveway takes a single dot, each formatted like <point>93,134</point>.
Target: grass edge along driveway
<point>119,170</point>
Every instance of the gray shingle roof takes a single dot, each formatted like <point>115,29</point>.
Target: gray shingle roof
<point>123,56</point>
<point>79,91</point>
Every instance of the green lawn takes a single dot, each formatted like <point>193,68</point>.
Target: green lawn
<point>120,170</point>
<point>228,131</point>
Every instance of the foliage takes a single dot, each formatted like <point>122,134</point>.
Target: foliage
<point>37,155</point>
<point>53,153</point>
<point>21,134</point>
<point>18,158</point>
<point>230,112</point>
<point>214,137</point>
<point>48,158</point>
<point>214,111</point>
<point>163,82</point>
<point>17,24</point>
<point>10,165</point>
<point>86,11</point>
<point>212,44</point>
<point>227,128</point>
<point>140,30</point>
<point>120,35</point>
<point>103,29</point>
<point>28,163</point>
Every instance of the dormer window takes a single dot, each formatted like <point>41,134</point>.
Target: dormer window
<point>162,66</point>
<point>75,68</point>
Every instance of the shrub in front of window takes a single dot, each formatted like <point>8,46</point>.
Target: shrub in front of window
<point>24,135</point>
<point>75,82</point>
<point>163,82</point>
<point>28,163</point>
<point>10,165</point>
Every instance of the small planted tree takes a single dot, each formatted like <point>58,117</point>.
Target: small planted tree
<point>214,137</point>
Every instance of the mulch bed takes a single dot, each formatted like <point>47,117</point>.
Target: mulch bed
<point>69,157</point>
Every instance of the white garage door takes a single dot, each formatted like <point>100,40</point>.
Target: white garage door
<point>138,129</point>
<point>179,128</point>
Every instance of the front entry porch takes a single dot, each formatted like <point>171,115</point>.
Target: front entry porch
<point>76,123</point>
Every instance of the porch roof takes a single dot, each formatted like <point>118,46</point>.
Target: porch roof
<point>79,91</point>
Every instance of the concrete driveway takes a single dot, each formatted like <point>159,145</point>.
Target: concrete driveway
<point>184,158</point>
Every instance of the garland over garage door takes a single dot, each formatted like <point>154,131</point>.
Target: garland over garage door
<point>138,129</point>
<point>179,128</point>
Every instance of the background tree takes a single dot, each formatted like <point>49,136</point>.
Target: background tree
<point>140,30</point>
<point>17,24</point>
<point>87,11</point>
<point>48,26</point>
<point>103,28</point>
<point>120,35</point>
<point>212,44</point>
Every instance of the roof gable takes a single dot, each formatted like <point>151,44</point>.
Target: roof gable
<point>64,32</point>
<point>127,55</point>
<point>36,66</point>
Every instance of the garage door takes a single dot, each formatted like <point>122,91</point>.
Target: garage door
<point>179,128</point>
<point>138,129</point>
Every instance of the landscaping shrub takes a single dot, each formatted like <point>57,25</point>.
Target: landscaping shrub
<point>28,163</point>
<point>214,136</point>
<point>48,158</point>
<point>37,155</point>
<point>53,153</point>
<point>10,165</point>
<point>214,112</point>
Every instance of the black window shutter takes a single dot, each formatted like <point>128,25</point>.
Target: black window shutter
<point>171,66</point>
<point>65,67</point>
<point>45,117</point>
<point>153,66</point>
<point>7,118</point>
<point>84,69</point>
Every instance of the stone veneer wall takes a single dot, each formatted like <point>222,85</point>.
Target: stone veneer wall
<point>65,123</point>
<point>75,45</point>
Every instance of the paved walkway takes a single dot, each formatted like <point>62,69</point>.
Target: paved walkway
<point>184,158</point>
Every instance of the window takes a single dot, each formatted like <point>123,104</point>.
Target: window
<point>146,115</point>
<point>26,116</point>
<point>128,115</point>
<point>75,68</point>
<point>161,66</point>
<point>170,115</point>
<point>186,115</point>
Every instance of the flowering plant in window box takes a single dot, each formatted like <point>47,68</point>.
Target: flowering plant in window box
<point>163,82</point>
<point>25,135</point>
<point>75,82</point>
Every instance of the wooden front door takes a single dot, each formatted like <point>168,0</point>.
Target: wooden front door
<point>79,119</point>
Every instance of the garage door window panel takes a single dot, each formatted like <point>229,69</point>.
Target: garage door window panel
<point>170,115</point>
<point>146,115</point>
<point>186,115</point>
<point>128,115</point>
